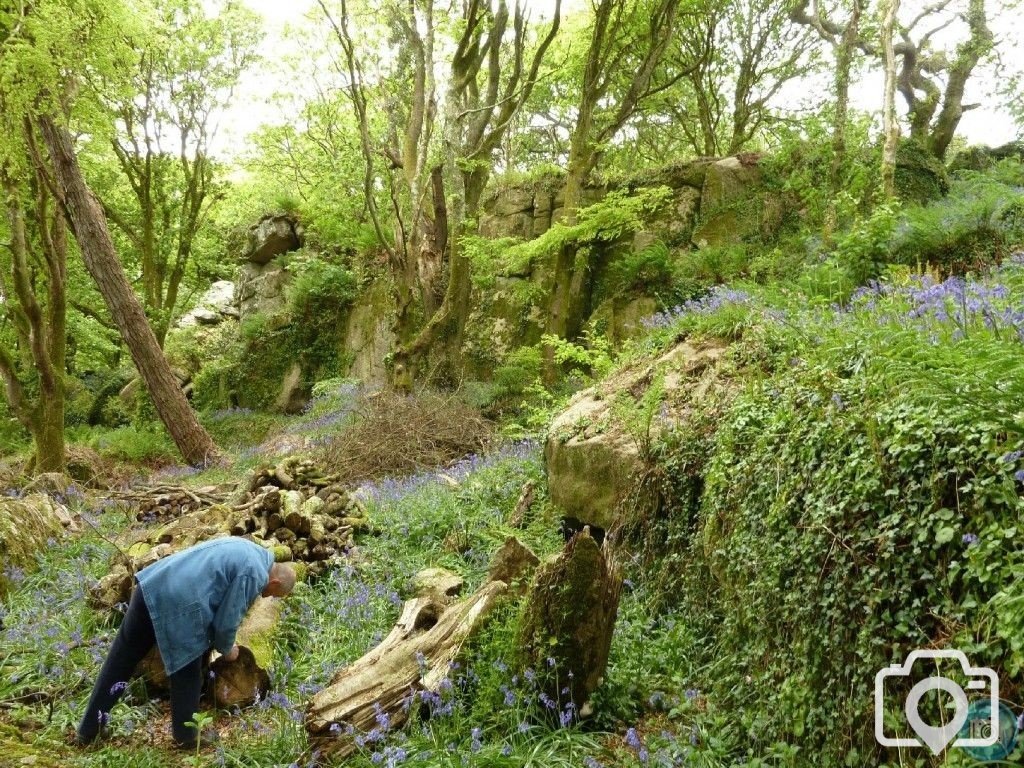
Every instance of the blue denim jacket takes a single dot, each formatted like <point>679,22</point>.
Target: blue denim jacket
<point>198,597</point>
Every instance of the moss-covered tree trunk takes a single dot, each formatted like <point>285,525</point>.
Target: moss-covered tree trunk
<point>39,317</point>
<point>569,619</point>
<point>844,59</point>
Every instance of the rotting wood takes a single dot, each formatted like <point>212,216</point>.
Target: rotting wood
<point>416,656</point>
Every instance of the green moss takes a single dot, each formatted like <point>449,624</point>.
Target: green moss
<point>920,176</point>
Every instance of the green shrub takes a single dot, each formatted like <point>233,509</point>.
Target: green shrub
<point>826,280</point>
<point>970,228</point>
<point>920,176</point>
<point>619,214</point>
<point>800,167</point>
<point>319,286</point>
<point>520,370</point>
<point>864,250</point>
<point>713,265</point>
<point>13,437</point>
<point>149,444</point>
<point>239,427</point>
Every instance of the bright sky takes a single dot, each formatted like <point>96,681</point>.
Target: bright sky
<point>253,106</point>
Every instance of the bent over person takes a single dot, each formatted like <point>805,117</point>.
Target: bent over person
<point>186,604</point>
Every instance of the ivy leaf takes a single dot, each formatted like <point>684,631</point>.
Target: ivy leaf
<point>945,534</point>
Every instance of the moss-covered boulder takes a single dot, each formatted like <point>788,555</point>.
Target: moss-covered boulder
<point>621,318</point>
<point>726,213</point>
<point>920,176</point>
<point>26,527</point>
<point>594,448</point>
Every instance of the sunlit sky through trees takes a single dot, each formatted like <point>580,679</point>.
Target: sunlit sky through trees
<point>287,25</point>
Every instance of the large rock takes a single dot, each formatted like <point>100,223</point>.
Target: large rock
<point>271,237</point>
<point>215,304</point>
<point>368,336</point>
<point>621,318</point>
<point>261,289</point>
<point>294,394</point>
<point>725,219</point>
<point>591,456</point>
<point>27,526</point>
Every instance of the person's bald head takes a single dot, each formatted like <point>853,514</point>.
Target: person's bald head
<point>281,582</point>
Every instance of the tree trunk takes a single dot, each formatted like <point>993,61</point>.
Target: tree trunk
<point>49,434</point>
<point>43,330</point>
<point>844,60</point>
<point>570,615</point>
<point>90,228</point>
<point>890,126</point>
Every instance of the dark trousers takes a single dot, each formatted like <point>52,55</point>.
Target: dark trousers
<point>134,640</point>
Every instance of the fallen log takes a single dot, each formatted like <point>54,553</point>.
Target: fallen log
<point>415,657</point>
<point>239,682</point>
<point>242,681</point>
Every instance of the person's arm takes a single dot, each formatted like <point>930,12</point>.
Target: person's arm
<point>239,596</point>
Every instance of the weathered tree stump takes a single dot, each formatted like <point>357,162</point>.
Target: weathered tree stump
<point>513,564</point>
<point>416,656</point>
<point>238,682</point>
<point>570,616</point>
<point>518,517</point>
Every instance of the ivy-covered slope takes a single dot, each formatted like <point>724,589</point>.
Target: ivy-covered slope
<point>859,498</point>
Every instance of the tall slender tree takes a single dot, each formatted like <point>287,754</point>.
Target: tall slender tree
<point>187,69</point>
<point>33,301</point>
<point>434,161</point>
<point>55,44</point>
<point>890,125</point>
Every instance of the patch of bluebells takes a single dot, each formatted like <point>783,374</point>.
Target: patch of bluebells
<point>40,627</point>
<point>707,304</point>
<point>954,302</point>
<point>223,414</point>
<point>391,489</point>
<point>337,406</point>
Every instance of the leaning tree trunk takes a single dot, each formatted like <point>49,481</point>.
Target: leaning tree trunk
<point>90,228</point>
<point>570,615</point>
